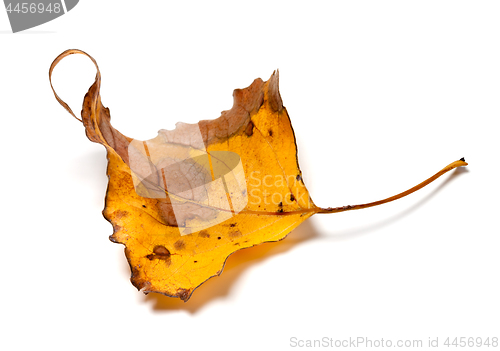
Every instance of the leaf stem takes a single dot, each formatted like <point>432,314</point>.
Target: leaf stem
<point>315,209</point>
<point>448,168</point>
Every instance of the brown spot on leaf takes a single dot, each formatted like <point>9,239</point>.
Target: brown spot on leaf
<point>249,129</point>
<point>232,225</point>
<point>204,234</point>
<point>270,132</point>
<point>292,198</point>
<point>120,213</point>
<point>179,244</point>
<point>160,253</point>
<point>235,234</point>
<point>183,294</point>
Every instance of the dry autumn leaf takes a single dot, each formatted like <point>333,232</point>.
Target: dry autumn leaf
<point>181,203</point>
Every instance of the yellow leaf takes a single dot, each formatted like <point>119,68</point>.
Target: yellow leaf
<point>182,202</point>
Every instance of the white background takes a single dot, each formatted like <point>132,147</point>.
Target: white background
<point>381,94</point>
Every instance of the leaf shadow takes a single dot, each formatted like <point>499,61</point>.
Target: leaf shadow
<point>365,229</point>
<point>237,263</point>
<point>220,287</point>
